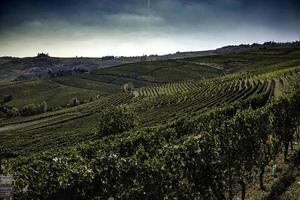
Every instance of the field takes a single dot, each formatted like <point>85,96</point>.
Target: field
<point>202,122</point>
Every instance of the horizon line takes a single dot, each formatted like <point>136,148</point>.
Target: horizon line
<point>150,55</point>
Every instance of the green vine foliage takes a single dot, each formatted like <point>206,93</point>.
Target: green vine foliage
<point>202,157</point>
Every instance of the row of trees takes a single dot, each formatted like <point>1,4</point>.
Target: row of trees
<point>28,110</point>
<point>33,109</point>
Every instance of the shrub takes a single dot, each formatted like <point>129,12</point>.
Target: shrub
<point>127,87</point>
<point>13,112</point>
<point>74,102</point>
<point>43,107</point>
<point>33,109</point>
<point>116,120</point>
<point>28,110</point>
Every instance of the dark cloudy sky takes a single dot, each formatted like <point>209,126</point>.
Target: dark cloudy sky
<point>136,27</point>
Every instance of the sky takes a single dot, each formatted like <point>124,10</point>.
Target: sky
<point>95,28</point>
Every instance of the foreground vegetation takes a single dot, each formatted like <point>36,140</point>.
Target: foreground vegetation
<point>188,138</point>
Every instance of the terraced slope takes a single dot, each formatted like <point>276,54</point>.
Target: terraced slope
<point>154,105</point>
<point>161,103</point>
<point>65,150</point>
<point>60,128</point>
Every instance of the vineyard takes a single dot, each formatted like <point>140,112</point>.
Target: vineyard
<point>208,128</point>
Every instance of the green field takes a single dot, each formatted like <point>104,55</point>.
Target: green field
<point>192,113</point>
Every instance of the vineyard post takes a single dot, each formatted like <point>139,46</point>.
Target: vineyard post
<point>230,189</point>
<point>292,144</point>
<point>298,133</point>
<point>261,177</point>
<point>1,157</point>
<point>242,183</point>
<point>265,154</point>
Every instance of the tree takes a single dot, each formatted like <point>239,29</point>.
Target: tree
<point>116,120</point>
<point>13,112</point>
<point>127,87</point>
<point>28,110</point>
<point>74,102</point>
<point>43,107</point>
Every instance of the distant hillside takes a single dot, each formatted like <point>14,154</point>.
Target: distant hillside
<point>12,69</point>
<point>255,46</point>
<point>16,69</point>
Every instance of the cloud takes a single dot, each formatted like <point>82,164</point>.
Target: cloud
<point>114,25</point>
<point>125,19</point>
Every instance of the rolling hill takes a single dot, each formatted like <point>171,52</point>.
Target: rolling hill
<point>193,113</point>
<point>29,68</point>
<point>58,91</point>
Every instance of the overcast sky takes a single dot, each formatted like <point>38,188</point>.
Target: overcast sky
<point>135,27</point>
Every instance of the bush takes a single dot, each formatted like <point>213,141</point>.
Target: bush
<point>127,87</point>
<point>33,109</point>
<point>116,120</point>
<point>74,102</point>
<point>13,112</point>
<point>43,107</point>
<point>28,110</point>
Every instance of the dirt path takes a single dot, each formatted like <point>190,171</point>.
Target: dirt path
<point>17,126</point>
<point>210,65</point>
<point>20,125</point>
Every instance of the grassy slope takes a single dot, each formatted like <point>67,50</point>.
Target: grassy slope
<point>255,60</point>
<point>161,71</point>
<point>58,91</point>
